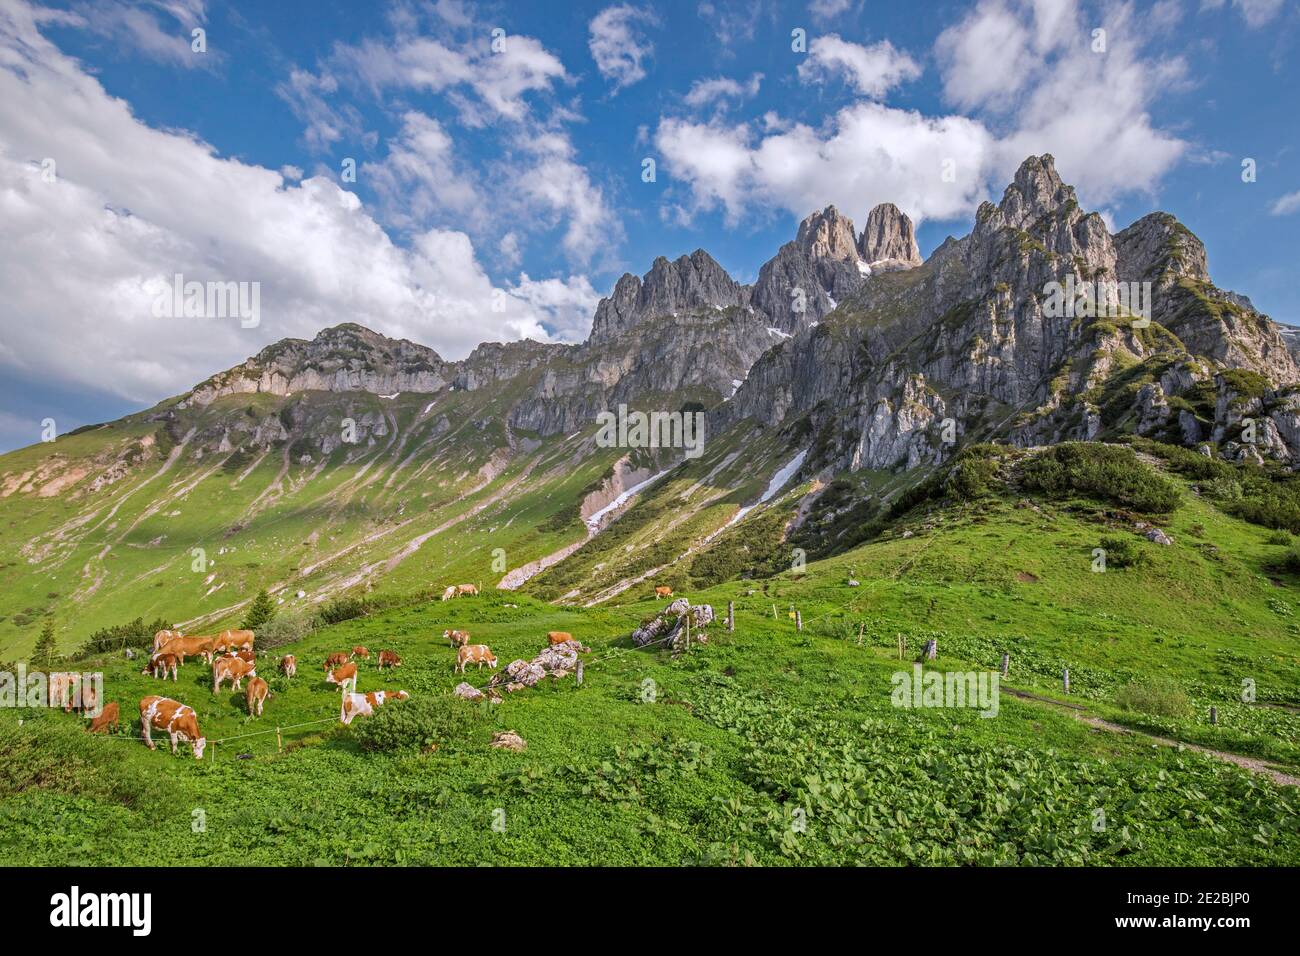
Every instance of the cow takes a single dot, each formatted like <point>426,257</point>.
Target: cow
<point>475,654</point>
<point>162,637</point>
<point>335,659</point>
<point>663,592</point>
<point>448,594</point>
<point>343,676</point>
<point>179,721</point>
<point>558,637</point>
<point>233,641</point>
<point>89,698</point>
<point>361,652</point>
<point>190,646</point>
<point>289,665</point>
<point>231,669</point>
<point>469,589</point>
<point>256,695</point>
<point>64,688</point>
<point>248,657</point>
<point>389,659</point>
<point>363,705</point>
<point>110,716</point>
<point>161,664</point>
<point>456,638</point>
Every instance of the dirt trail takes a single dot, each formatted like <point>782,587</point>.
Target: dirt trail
<point>1253,764</point>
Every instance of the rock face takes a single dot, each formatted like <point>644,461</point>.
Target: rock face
<point>889,241</point>
<point>687,284</point>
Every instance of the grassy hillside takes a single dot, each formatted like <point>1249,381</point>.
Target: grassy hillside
<point>767,745</point>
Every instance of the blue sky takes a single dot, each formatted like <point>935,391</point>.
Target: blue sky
<point>500,191</point>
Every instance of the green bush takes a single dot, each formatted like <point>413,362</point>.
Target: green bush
<point>1104,472</point>
<point>1281,537</point>
<point>137,633</point>
<point>1122,552</point>
<point>286,629</point>
<point>259,612</point>
<point>422,723</point>
<point>342,609</point>
<point>1222,489</point>
<point>1160,698</point>
<point>1290,561</point>
<point>974,474</point>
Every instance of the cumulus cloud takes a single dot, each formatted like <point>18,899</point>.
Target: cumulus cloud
<point>139,28</point>
<point>1286,205</point>
<point>618,43</point>
<point>129,206</point>
<point>871,70</point>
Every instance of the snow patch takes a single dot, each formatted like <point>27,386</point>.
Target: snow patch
<point>593,522</point>
<point>394,395</point>
<point>779,333</point>
<point>776,484</point>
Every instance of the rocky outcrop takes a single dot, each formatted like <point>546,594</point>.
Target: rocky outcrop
<point>690,283</point>
<point>889,240</point>
<point>808,277</point>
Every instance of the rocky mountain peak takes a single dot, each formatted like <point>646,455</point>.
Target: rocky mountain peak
<point>889,240</point>
<point>687,283</point>
<point>828,235</point>
<point>1036,190</point>
<point>1159,246</point>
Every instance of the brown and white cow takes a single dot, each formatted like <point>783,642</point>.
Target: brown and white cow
<point>558,637</point>
<point>335,659</point>
<point>233,640</point>
<point>456,638</point>
<point>344,676</point>
<point>248,657</point>
<point>64,689</point>
<point>470,589</point>
<point>361,652</point>
<point>110,716</point>
<point>176,719</point>
<point>161,664</point>
<point>479,654</point>
<point>663,592</point>
<point>289,665</point>
<point>363,705</point>
<point>255,696</point>
<point>162,637</point>
<point>197,645</point>
<point>388,659</point>
<point>448,594</point>
<point>89,698</point>
<point>231,669</point>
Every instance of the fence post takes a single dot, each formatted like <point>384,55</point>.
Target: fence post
<point>1214,715</point>
<point>774,612</point>
<point>1006,664</point>
<point>1065,680</point>
<point>932,649</point>
<point>798,621</point>
<point>731,615</point>
<point>577,673</point>
<point>279,741</point>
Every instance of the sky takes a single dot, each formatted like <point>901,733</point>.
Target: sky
<point>455,172</point>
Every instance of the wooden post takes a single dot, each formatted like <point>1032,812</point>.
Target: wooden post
<point>798,621</point>
<point>860,627</point>
<point>1006,664</point>
<point>900,645</point>
<point>279,742</point>
<point>577,673</point>
<point>932,649</point>
<point>1214,715</point>
<point>731,615</point>
<point>1065,680</point>
<point>774,612</point>
<point>688,630</point>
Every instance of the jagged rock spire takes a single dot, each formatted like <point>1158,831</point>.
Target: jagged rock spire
<point>889,241</point>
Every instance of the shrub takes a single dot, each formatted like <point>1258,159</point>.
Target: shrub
<point>1290,561</point>
<point>259,612</point>
<point>136,633</point>
<point>1222,489</point>
<point>342,609</point>
<point>1122,552</point>
<point>1104,472</point>
<point>1161,698</point>
<point>46,651</point>
<point>286,629</point>
<point>973,475</point>
<point>1280,537</point>
<point>420,723</point>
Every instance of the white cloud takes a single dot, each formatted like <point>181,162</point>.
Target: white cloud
<point>722,88</point>
<point>422,180</point>
<point>618,45</point>
<point>823,10</point>
<point>569,303</point>
<point>135,26</point>
<point>871,70</point>
<point>132,205</point>
<point>1286,205</point>
<point>1256,12</point>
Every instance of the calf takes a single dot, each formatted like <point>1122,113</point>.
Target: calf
<point>558,637</point>
<point>662,592</point>
<point>161,664</point>
<point>110,716</point>
<point>89,698</point>
<point>363,705</point>
<point>233,641</point>
<point>334,660</point>
<point>289,665</point>
<point>180,723</point>
<point>231,669</point>
<point>475,654</point>
<point>257,692</point>
<point>343,676</point>
<point>248,657</point>
<point>457,638</point>
<point>389,659</point>
<point>361,652</point>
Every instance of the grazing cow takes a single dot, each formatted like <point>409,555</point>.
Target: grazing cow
<point>361,652</point>
<point>190,646</point>
<point>558,637</point>
<point>457,638</point>
<point>231,669</point>
<point>180,723</point>
<point>448,594</point>
<point>479,654</point>
<point>162,637</point>
<point>257,692</point>
<point>110,716</point>
<point>469,589</point>
<point>662,592</point>
<point>363,705</point>
<point>89,698</point>
<point>389,659</point>
<point>248,657</point>
<point>289,665</point>
<point>343,676</point>
<point>335,659</point>
<point>161,664</point>
<point>233,641</point>
<point>64,687</point>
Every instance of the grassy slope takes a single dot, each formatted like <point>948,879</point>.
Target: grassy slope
<point>747,729</point>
